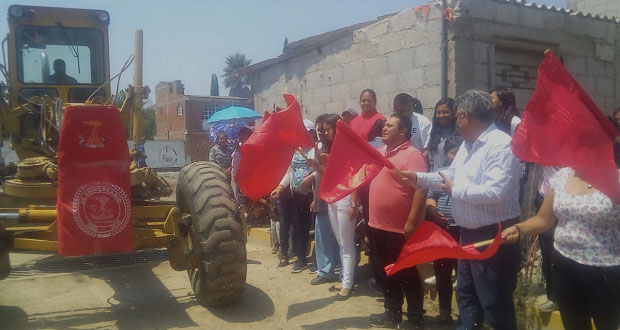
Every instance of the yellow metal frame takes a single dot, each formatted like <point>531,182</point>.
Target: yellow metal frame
<point>34,228</point>
<point>154,226</point>
<point>45,16</point>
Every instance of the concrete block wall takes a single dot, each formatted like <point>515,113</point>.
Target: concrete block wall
<point>588,46</point>
<point>160,154</point>
<point>164,154</point>
<point>398,54</point>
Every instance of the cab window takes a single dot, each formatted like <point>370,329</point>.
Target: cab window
<point>59,55</point>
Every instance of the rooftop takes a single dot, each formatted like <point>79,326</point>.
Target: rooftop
<point>302,46</point>
<point>560,10</point>
<point>305,45</point>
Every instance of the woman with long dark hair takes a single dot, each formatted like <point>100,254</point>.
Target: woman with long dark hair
<point>505,110</point>
<point>342,224</point>
<point>507,119</point>
<point>444,127</point>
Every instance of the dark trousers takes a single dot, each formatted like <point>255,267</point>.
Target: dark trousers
<point>484,287</point>
<point>377,270</point>
<point>443,275</point>
<point>585,292</point>
<point>388,246</point>
<point>302,218</point>
<point>286,214</point>
<point>545,241</point>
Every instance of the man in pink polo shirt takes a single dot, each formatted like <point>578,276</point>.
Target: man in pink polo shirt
<point>395,213</point>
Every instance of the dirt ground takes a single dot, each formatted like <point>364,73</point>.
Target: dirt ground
<point>150,295</point>
<point>139,290</point>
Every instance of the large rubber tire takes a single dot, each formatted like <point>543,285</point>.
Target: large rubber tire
<point>204,192</point>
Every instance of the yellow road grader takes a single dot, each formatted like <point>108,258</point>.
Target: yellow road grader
<point>59,57</point>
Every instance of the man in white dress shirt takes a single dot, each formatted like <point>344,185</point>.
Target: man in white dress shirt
<point>421,129</point>
<point>483,181</point>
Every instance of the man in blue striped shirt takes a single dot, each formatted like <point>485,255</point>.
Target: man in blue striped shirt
<point>483,181</point>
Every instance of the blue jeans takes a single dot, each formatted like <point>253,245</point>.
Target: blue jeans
<point>484,287</point>
<point>325,246</point>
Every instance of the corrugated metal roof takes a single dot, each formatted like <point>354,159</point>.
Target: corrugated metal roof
<point>560,10</point>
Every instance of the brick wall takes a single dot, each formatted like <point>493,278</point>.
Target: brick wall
<point>168,96</point>
<point>187,126</point>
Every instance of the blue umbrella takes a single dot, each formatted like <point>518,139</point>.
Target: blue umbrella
<point>233,113</point>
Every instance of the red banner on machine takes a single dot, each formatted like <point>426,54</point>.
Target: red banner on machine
<point>94,192</point>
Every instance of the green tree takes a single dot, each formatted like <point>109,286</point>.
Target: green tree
<point>149,128</point>
<point>234,78</point>
<point>118,99</point>
<point>215,87</point>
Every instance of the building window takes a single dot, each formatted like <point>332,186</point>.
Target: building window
<point>210,110</point>
<point>179,109</point>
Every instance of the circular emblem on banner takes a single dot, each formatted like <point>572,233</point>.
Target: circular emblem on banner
<point>101,209</point>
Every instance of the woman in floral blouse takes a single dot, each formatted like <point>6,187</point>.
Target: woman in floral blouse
<point>586,255</point>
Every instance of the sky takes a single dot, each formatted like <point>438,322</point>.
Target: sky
<point>189,40</point>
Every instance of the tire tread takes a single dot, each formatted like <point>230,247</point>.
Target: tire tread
<point>203,192</point>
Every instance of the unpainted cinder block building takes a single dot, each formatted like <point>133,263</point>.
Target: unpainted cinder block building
<point>487,44</point>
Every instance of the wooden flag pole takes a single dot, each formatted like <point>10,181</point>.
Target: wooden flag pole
<point>483,243</point>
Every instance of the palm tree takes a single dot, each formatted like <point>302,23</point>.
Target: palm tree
<point>233,77</point>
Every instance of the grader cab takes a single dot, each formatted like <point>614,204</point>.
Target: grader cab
<point>58,66</point>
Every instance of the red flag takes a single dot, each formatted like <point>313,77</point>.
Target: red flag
<point>429,242</point>
<point>352,162</point>
<point>563,127</point>
<point>423,10</point>
<point>267,153</point>
<point>94,193</point>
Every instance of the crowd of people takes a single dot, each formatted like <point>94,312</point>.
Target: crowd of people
<point>458,171</point>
